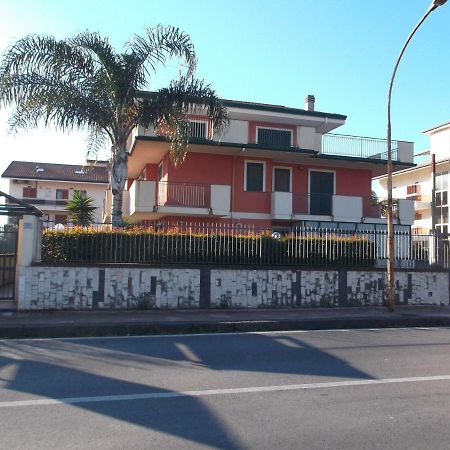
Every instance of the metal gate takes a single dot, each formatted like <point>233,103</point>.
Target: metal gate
<point>8,255</point>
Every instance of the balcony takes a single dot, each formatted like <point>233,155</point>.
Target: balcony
<point>164,198</point>
<point>43,201</point>
<point>346,208</point>
<point>184,194</point>
<point>366,147</point>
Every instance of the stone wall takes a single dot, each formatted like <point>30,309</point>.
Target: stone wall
<point>64,287</point>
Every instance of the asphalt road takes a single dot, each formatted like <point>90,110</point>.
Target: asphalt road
<point>356,389</point>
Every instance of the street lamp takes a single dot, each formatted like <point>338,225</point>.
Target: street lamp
<point>390,223</point>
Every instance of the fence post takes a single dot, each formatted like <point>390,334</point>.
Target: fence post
<point>29,243</point>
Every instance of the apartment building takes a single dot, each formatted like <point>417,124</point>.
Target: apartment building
<point>416,183</point>
<point>50,186</point>
<point>273,165</point>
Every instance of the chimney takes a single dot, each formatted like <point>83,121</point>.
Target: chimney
<point>309,102</point>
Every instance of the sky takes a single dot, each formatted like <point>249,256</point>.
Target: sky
<point>269,51</point>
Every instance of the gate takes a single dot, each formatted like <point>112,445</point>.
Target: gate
<point>13,208</point>
<point>8,255</point>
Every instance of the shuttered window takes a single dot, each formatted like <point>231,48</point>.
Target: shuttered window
<point>197,129</point>
<point>274,137</point>
<point>29,192</point>
<point>254,181</point>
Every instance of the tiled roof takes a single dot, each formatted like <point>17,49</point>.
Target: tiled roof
<point>62,172</point>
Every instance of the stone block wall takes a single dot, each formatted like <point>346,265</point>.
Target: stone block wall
<point>62,287</point>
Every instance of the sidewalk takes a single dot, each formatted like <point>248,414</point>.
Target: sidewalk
<point>107,323</point>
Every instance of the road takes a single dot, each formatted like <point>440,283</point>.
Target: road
<point>348,389</point>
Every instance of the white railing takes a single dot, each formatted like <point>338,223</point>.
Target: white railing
<point>357,146</point>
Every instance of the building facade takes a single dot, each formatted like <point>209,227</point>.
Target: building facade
<point>50,186</point>
<point>416,183</point>
<point>272,166</point>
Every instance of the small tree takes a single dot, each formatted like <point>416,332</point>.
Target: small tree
<point>81,209</point>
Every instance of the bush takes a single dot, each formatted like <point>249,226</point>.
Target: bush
<point>150,246</point>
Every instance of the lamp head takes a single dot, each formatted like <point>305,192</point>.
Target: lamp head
<point>436,4</point>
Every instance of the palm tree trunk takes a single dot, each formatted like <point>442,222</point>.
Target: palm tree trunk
<point>119,171</point>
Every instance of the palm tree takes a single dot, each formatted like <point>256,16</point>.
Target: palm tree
<point>81,209</point>
<point>82,82</point>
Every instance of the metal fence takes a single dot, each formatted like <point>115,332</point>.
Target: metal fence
<point>223,244</point>
<point>357,146</point>
<point>8,252</point>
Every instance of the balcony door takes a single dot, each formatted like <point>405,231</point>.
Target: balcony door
<point>281,179</point>
<point>321,190</point>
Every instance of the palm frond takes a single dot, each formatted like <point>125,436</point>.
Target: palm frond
<point>159,44</point>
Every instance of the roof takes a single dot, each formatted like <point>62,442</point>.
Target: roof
<point>420,166</point>
<point>280,109</point>
<point>62,172</point>
<point>268,107</point>
<point>437,127</point>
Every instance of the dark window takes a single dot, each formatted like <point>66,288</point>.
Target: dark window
<point>445,214</point>
<point>255,177</point>
<point>444,197</point>
<point>282,180</point>
<point>60,219</point>
<point>270,136</point>
<point>62,194</point>
<point>29,192</point>
<point>197,129</point>
<point>160,172</point>
<point>438,199</point>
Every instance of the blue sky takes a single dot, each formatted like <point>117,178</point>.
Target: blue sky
<point>342,51</point>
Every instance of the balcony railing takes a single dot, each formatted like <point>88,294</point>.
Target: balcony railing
<point>357,147</point>
<point>322,205</point>
<point>184,194</point>
<point>42,201</point>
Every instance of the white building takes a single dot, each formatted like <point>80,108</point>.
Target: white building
<point>50,186</point>
<point>416,183</point>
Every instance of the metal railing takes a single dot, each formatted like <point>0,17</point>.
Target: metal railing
<point>357,146</point>
<point>42,201</point>
<point>226,244</point>
<point>184,194</point>
<point>8,252</point>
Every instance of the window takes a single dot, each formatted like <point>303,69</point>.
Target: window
<point>274,136</point>
<point>198,129</point>
<point>82,193</point>
<point>160,172</point>
<point>29,192</point>
<point>254,176</point>
<point>60,219</point>
<point>281,179</point>
<point>62,194</point>
<point>412,189</point>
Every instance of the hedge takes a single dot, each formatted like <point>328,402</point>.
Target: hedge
<point>148,246</point>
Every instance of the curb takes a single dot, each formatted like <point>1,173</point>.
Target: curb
<point>159,328</point>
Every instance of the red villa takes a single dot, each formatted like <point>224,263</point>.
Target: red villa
<point>272,166</point>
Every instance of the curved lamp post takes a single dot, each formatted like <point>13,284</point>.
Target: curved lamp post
<point>390,223</point>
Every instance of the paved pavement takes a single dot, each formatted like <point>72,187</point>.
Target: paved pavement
<point>341,389</point>
<point>106,323</point>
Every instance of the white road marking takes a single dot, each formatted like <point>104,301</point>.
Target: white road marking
<point>188,353</point>
<point>234,333</point>
<point>229,391</point>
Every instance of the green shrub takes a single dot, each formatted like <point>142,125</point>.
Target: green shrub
<point>149,246</point>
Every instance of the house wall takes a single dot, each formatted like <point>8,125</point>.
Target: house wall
<point>63,287</point>
<point>206,168</point>
<point>46,190</point>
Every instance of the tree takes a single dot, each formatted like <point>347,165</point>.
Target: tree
<point>83,83</point>
<point>81,209</point>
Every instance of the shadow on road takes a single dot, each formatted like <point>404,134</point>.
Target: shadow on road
<point>48,369</point>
